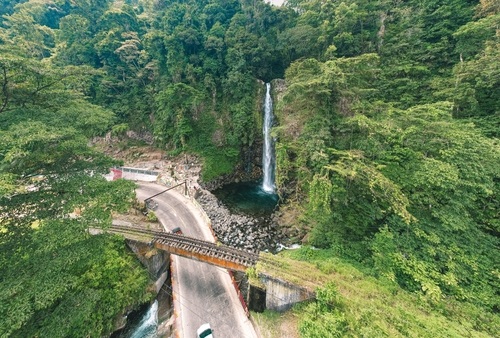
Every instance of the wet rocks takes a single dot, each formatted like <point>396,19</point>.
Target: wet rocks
<point>240,231</point>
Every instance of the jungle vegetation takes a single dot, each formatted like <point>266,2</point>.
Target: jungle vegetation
<point>387,147</point>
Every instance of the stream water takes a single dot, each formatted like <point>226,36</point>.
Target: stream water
<point>247,198</point>
<point>268,157</point>
<point>141,324</point>
<point>147,326</point>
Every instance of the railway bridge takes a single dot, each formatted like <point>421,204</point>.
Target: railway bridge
<point>200,250</point>
<point>280,293</point>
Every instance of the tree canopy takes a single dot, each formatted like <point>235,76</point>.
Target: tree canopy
<point>386,141</point>
<point>56,279</point>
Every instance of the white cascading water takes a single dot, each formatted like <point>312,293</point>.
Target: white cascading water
<point>268,161</point>
<point>148,324</point>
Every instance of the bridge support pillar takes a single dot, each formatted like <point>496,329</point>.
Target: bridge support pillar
<point>156,261</point>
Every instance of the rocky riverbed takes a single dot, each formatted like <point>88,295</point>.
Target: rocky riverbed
<point>240,231</point>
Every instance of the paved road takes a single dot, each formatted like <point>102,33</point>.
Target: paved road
<point>202,293</point>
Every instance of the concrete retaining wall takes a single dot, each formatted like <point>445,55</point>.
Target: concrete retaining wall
<point>136,174</point>
<point>133,174</point>
<point>282,295</point>
<point>155,261</point>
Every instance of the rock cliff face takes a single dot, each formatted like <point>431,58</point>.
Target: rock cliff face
<point>241,231</point>
<point>249,169</point>
<point>156,261</point>
<point>278,87</point>
<point>250,166</point>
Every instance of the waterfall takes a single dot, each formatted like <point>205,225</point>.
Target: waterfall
<point>148,324</point>
<point>268,160</point>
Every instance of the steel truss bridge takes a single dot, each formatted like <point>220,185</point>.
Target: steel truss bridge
<point>204,251</point>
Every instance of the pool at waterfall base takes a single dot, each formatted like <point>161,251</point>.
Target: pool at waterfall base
<point>247,198</point>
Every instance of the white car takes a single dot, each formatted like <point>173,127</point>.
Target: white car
<point>205,331</point>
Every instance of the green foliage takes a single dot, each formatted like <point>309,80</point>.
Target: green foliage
<point>72,288</point>
<point>47,254</point>
<point>48,257</point>
<point>177,105</point>
<point>351,303</point>
<point>472,36</point>
<point>56,279</point>
<point>161,69</point>
<point>119,129</point>
<point>7,7</point>
<point>386,139</point>
<point>218,163</point>
<point>399,190</point>
<point>416,44</point>
<point>33,148</point>
<point>402,171</point>
<point>151,216</point>
<point>475,80</point>
<point>31,38</point>
<point>318,324</point>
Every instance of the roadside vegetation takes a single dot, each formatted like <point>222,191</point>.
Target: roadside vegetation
<point>271,324</point>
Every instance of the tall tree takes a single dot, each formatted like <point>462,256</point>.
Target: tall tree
<point>56,279</point>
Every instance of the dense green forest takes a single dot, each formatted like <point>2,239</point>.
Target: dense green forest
<point>387,146</point>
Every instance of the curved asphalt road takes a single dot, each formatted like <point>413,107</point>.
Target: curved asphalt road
<point>203,293</point>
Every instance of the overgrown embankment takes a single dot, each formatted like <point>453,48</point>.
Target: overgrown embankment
<point>351,302</point>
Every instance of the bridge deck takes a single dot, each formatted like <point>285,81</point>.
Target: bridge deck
<point>211,253</point>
